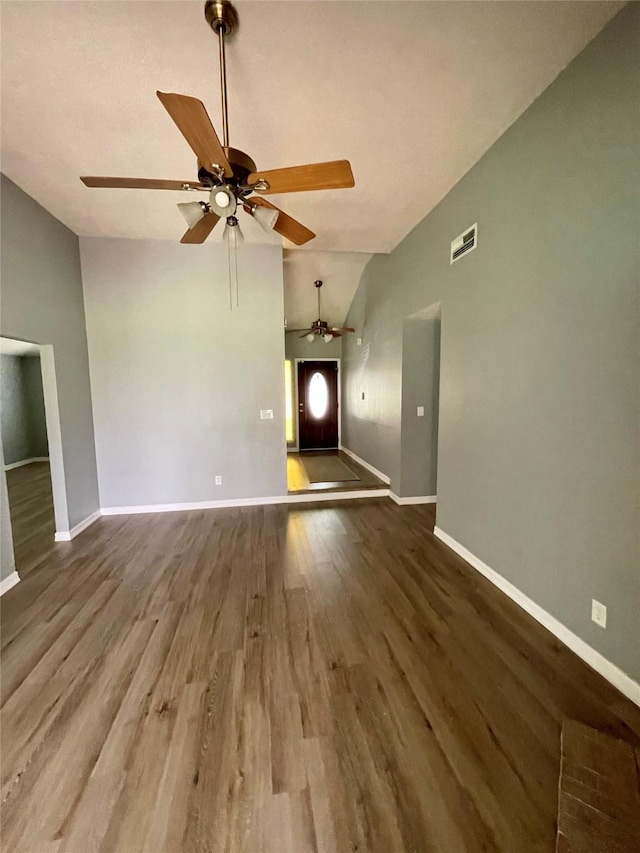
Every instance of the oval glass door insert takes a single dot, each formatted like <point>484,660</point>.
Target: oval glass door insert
<point>318,396</point>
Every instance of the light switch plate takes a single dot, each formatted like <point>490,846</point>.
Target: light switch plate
<point>358,342</point>
<point>599,613</point>
<point>420,411</point>
<point>266,414</point>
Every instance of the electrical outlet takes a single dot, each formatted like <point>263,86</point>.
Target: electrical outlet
<point>420,411</point>
<point>218,480</point>
<point>266,414</point>
<point>599,613</point>
<point>358,342</point>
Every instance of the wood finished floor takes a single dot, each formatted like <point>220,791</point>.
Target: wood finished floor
<point>281,679</point>
<point>298,481</point>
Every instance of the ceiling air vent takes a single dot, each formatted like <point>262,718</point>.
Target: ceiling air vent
<point>465,243</point>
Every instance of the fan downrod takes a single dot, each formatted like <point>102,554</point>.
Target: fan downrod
<point>221,16</point>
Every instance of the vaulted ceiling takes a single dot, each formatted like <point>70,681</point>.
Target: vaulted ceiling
<point>412,93</point>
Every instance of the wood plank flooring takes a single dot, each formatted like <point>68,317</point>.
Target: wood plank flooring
<point>281,679</point>
<point>31,508</point>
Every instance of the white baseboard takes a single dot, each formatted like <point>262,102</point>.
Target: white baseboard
<point>26,462</point>
<point>311,497</point>
<point>418,499</point>
<point>624,683</point>
<point>9,582</point>
<point>68,535</point>
<point>307,497</point>
<point>366,465</point>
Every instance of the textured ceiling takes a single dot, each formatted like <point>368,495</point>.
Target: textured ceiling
<point>340,275</point>
<point>412,93</point>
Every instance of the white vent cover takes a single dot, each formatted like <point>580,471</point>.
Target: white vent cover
<point>465,243</point>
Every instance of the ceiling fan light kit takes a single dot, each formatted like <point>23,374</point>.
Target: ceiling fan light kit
<point>229,175</point>
<point>265,217</point>
<point>320,329</point>
<point>193,212</point>
<point>232,232</point>
<point>222,201</point>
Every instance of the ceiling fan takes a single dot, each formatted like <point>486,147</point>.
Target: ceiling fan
<point>320,329</point>
<point>229,175</point>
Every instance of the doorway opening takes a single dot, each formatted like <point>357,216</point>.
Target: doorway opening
<point>315,461</point>
<point>31,450</point>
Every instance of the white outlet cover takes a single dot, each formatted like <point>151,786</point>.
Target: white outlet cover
<point>218,480</point>
<point>420,411</point>
<point>266,414</point>
<point>358,342</point>
<point>599,613</point>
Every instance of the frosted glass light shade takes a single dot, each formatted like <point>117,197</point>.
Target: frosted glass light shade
<point>192,211</point>
<point>266,218</point>
<point>311,337</point>
<point>232,233</point>
<point>327,338</point>
<point>222,201</point>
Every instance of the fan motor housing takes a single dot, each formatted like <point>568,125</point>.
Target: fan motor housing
<point>241,164</point>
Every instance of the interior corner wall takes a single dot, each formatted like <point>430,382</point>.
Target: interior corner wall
<point>14,415</point>
<point>178,378</point>
<point>34,403</point>
<point>41,301</point>
<point>22,417</point>
<point>538,458</point>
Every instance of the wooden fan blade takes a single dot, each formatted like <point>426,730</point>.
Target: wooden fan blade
<point>341,330</point>
<point>194,123</point>
<point>140,183</point>
<point>317,176</point>
<point>286,225</point>
<point>289,331</point>
<point>306,333</point>
<point>202,229</point>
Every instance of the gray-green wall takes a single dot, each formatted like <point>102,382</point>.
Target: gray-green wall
<point>22,417</point>
<point>420,388</point>
<point>41,301</point>
<point>13,411</point>
<point>178,378</point>
<point>539,425</point>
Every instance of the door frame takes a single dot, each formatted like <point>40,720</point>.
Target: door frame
<point>296,449</point>
<point>54,438</point>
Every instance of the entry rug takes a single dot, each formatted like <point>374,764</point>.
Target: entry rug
<point>326,468</point>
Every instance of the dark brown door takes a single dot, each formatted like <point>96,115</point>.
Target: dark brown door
<point>317,404</point>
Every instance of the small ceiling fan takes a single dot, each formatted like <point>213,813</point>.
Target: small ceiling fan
<point>229,175</point>
<point>320,329</point>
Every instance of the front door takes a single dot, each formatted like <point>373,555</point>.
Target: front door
<point>318,405</point>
